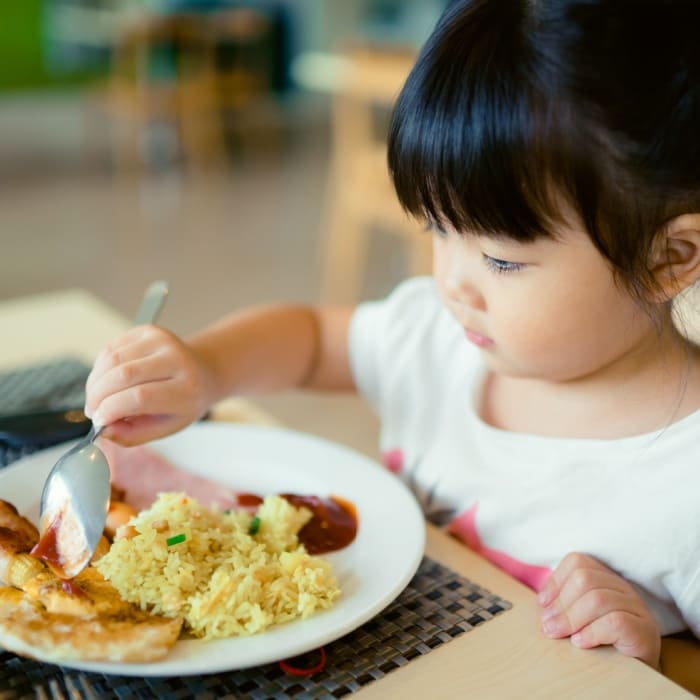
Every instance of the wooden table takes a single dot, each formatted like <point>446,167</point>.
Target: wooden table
<point>506,658</point>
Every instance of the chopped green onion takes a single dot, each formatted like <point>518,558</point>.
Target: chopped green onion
<point>175,539</point>
<point>254,526</point>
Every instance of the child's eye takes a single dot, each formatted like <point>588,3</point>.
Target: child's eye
<point>502,266</point>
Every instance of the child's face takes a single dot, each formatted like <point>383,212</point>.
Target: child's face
<point>549,309</point>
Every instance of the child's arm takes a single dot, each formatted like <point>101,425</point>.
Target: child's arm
<point>585,600</point>
<point>274,348</point>
<point>149,383</point>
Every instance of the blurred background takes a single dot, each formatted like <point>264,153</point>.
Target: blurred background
<point>235,149</point>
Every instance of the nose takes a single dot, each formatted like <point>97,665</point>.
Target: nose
<point>462,290</point>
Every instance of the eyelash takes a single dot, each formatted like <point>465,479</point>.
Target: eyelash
<point>502,267</point>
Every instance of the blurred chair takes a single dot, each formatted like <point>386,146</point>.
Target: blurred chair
<point>161,94</point>
<point>174,76</point>
<point>361,198</point>
<point>246,55</point>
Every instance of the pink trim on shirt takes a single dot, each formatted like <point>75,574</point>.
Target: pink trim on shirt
<point>464,528</point>
<point>393,460</point>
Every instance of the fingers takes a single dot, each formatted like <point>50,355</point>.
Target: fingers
<point>587,601</point>
<point>563,622</point>
<point>630,634</point>
<point>570,563</point>
<point>142,429</point>
<point>131,374</point>
<point>578,582</point>
<point>135,345</point>
<point>145,385</point>
<point>137,340</point>
<point>172,396</point>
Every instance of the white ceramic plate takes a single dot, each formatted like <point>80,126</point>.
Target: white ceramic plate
<point>372,571</point>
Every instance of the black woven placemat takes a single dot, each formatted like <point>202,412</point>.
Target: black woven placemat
<point>436,606</point>
<point>55,384</point>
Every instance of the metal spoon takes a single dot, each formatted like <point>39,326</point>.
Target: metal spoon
<point>75,498</point>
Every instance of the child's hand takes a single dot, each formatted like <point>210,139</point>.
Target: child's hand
<point>146,384</point>
<point>594,606</point>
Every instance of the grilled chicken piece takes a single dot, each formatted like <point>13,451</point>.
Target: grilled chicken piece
<point>45,617</point>
<point>27,628</point>
<point>87,595</point>
<point>16,565</point>
<point>12,520</point>
<point>17,536</point>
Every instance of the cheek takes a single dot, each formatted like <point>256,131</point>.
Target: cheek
<point>559,334</point>
<point>525,330</point>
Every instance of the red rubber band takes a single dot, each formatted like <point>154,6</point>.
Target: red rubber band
<point>287,667</point>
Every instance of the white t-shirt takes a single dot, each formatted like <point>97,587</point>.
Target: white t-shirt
<point>526,501</point>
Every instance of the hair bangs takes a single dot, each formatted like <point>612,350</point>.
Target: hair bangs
<point>466,131</point>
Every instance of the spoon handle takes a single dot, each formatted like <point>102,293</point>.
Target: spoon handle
<point>94,433</point>
<point>152,303</point>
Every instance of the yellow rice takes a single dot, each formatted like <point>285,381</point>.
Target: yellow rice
<point>221,580</point>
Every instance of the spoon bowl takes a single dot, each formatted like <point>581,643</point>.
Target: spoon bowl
<point>76,494</point>
<point>74,506</point>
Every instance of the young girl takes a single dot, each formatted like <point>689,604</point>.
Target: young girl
<point>535,393</point>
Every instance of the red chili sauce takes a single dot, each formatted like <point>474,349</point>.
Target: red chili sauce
<point>248,500</point>
<point>47,548</point>
<point>333,524</point>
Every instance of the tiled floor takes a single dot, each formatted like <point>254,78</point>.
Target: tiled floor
<point>223,238</point>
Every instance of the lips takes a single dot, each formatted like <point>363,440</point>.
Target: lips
<point>481,341</point>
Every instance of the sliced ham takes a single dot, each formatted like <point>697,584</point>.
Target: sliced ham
<point>142,474</point>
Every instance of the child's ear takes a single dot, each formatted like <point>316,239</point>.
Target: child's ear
<point>675,257</point>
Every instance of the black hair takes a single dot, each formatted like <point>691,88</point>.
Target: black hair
<point>514,104</point>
